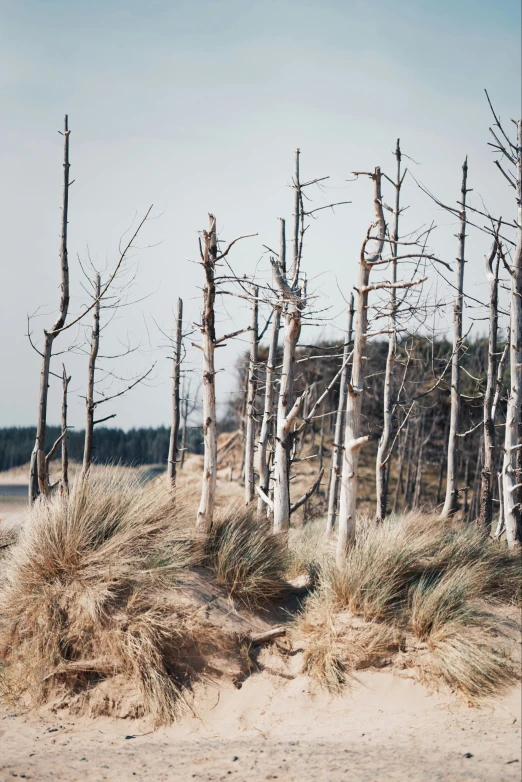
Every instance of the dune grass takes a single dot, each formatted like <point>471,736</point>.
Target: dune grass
<point>95,598</point>
<point>83,593</point>
<point>429,581</point>
<point>93,591</point>
<point>247,560</point>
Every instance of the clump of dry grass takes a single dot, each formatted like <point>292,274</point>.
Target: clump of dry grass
<point>247,560</point>
<point>104,598</point>
<point>89,592</point>
<point>423,579</point>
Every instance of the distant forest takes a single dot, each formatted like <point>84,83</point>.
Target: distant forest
<point>137,446</point>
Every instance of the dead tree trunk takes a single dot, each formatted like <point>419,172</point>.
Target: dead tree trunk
<point>64,486</point>
<point>486,494</point>
<point>335,469</point>
<point>89,397</point>
<point>383,450</point>
<point>38,482</point>
<point>513,440</point>
<point>208,331</point>
<point>251,401</point>
<point>266,424</point>
<point>353,440</point>
<point>176,413</point>
<point>296,254</point>
<point>452,496</point>
<point>402,452</point>
<point>286,412</point>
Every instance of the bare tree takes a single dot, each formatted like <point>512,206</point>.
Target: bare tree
<point>486,495</point>
<point>209,258</point>
<point>176,412</point>
<point>452,494</point>
<point>251,400</point>
<point>38,476</point>
<point>94,398</point>
<point>353,440</point>
<point>292,300</point>
<point>89,396</point>
<point>64,486</point>
<point>383,450</point>
<point>266,423</point>
<point>512,479</point>
<point>335,468</point>
<point>188,406</point>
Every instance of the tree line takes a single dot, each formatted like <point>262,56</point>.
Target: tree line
<point>111,445</point>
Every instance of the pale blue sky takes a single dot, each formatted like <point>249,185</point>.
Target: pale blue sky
<point>198,106</point>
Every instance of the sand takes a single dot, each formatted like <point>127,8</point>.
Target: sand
<point>384,728</point>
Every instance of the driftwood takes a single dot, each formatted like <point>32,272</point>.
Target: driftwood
<point>268,636</point>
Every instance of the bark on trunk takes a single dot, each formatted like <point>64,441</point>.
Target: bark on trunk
<point>176,371</point>
<point>297,221</point>
<point>208,330</point>
<point>352,434</point>
<point>486,492</point>
<point>292,329</point>
<point>38,482</point>
<point>335,469</point>
<point>383,450</point>
<point>513,440</point>
<point>451,500</point>
<point>89,397</point>
<point>65,455</point>
<point>250,405</point>
<point>266,424</point>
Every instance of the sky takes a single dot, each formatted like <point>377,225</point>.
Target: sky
<point>197,107</point>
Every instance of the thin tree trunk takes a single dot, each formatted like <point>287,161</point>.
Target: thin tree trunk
<point>383,450</point>
<point>451,500</point>
<point>486,494</point>
<point>501,517</point>
<point>266,423</point>
<point>321,438</point>
<point>297,220</point>
<point>176,370</point>
<point>420,463</point>
<point>466,486</point>
<point>208,489</point>
<point>335,469</point>
<point>352,434</point>
<point>89,397</point>
<point>64,487</point>
<point>472,515</point>
<point>512,440</point>
<point>412,452</point>
<point>38,482</point>
<point>283,443</point>
<point>250,405</point>
<point>402,453</point>
<point>441,468</point>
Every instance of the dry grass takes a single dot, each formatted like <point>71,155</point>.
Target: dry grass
<point>89,592</point>
<point>105,597</point>
<point>111,604</point>
<point>422,582</point>
<point>246,559</point>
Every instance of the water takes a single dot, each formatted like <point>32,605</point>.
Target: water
<point>13,489</point>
